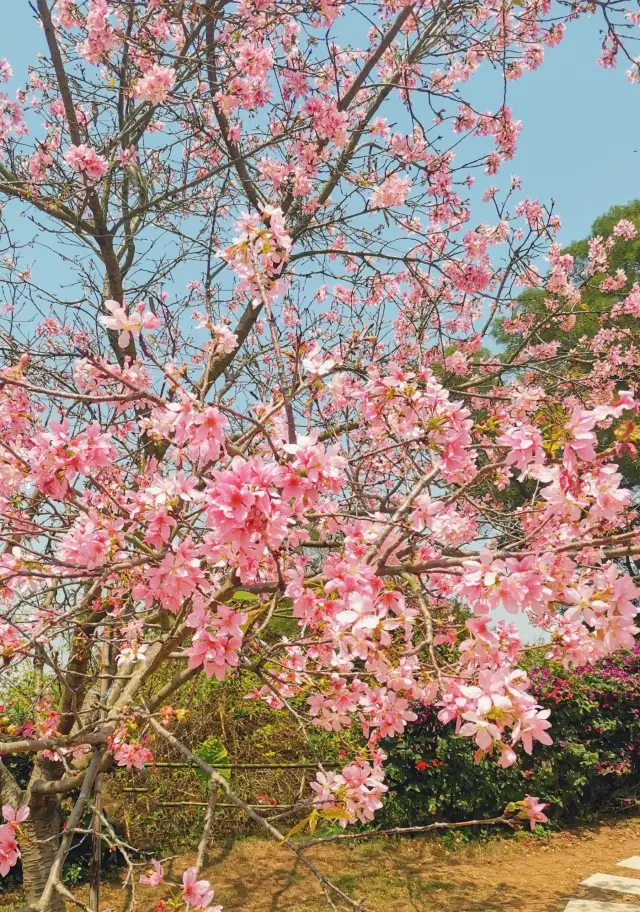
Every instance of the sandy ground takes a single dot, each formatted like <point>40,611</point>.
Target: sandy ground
<point>412,875</point>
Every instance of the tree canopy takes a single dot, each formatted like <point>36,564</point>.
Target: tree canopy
<point>253,424</point>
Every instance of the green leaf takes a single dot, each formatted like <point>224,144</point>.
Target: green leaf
<point>241,596</point>
<point>297,828</point>
<point>214,752</point>
<point>334,814</point>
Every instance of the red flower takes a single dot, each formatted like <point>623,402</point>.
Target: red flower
<point>421,765</point>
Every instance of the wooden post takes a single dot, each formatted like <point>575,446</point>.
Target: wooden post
<point>96,823</point>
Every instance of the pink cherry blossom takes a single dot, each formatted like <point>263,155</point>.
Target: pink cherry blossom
<point>154,876</point>
<point>101,38</point>
<point>85,160</point>
<point>10,641</point>
<point>392,192</point>
<point>225,340</point>
<point>525,446</point>
<point>196,894</point>
<point>262,244</point>
<point>532,727</point>
<point>130,754</point>
<point>360,785</point>
<point>156,84</point>
<point>302,404</point>
<point>6,71</point>
<point>128,324</point>
<point>9,851</point>
<point>532,809</point>
<point>13,816</point>
<point>174,579</point>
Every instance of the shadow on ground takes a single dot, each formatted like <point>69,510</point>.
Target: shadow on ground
<point>521,874</point>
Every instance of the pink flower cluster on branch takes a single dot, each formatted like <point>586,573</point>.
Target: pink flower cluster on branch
<point>9,851</point>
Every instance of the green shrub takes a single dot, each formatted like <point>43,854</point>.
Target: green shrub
<point>226,726</point>
<point>593,765</point>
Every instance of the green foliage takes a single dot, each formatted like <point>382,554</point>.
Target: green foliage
<point>593,765</point>
<point>582,321</point>
<point>20,766</point>
<point>594,304</point>
<point>214,752</point>
<point>165,818</point>
<point>241,595</point>
<point>74,874</point>
<point>432,776</point>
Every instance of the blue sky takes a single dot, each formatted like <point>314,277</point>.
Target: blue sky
<point>580,130</point>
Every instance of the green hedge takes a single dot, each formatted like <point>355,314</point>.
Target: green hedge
<point>593,765</point>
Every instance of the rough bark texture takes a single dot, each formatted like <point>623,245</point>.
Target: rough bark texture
<point>38,846</point>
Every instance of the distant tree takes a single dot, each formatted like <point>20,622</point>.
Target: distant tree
<point>605,272</point>
<point>598,317</point>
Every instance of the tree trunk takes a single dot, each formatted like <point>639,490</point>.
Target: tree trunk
<point>38,845</point>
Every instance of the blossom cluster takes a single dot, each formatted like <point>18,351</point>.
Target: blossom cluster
<point>358,788</point>
<point>259,253</point>
<point>9,851</point>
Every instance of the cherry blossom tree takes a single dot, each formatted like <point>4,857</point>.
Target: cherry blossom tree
<point>248,373</point>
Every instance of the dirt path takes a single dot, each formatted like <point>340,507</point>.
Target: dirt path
<point>419,875</point>
<point>528,875</point>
